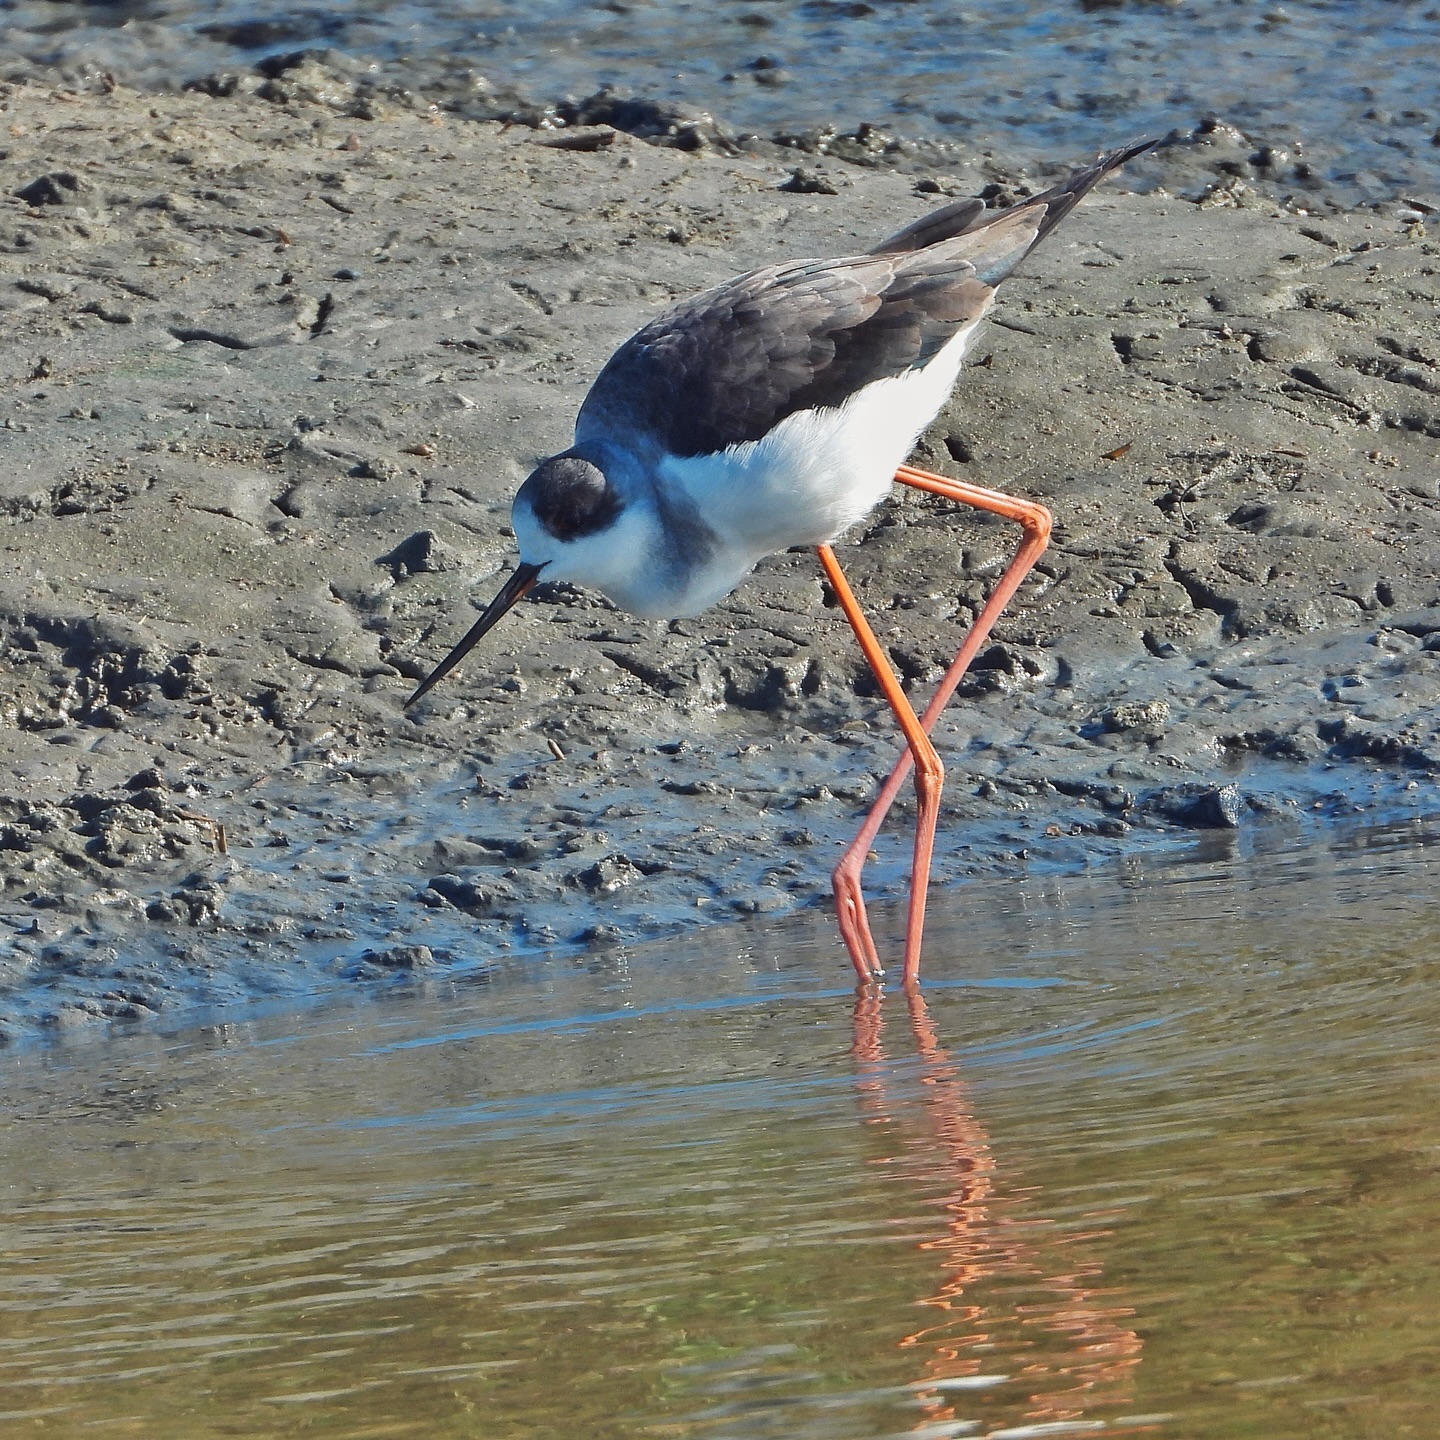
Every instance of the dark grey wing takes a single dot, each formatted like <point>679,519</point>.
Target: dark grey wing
<point>728,365</point>
<point>953,219</point>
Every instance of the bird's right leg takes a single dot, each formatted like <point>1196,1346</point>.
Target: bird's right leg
<point>1035,522</point>
<point>929,777</point>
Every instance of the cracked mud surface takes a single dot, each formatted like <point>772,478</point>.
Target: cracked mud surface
<point>273,372</point>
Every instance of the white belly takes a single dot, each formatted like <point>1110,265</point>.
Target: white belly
<point>812,477</point>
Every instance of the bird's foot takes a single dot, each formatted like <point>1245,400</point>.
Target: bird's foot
<point>855,925</point>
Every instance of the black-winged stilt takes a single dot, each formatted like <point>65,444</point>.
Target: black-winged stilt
<point>773,411</point>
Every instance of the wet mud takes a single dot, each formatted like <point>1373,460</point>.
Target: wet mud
<point>274,364</point>
<point>1336,97</point>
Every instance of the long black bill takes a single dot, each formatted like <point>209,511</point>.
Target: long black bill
<point>517,586</point>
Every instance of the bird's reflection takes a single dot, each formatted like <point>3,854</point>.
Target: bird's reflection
<point>1018,1315</point>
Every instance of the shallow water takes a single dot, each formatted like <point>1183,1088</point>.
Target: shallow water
<point>1157,1155</point>
<point>1352,80</point>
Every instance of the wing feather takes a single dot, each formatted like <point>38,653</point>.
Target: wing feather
<point>728,365</point>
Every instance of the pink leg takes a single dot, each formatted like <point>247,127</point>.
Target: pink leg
<point>849,902</point>
<point>929,777</point>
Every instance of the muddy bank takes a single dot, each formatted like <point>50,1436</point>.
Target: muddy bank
<point>273,371</point>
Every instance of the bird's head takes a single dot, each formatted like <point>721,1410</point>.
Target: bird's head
<point>564,516</point>
<point>572,525</point>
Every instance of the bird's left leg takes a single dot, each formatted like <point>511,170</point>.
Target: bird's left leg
<point>1034,521</point>
<point>929,777</point>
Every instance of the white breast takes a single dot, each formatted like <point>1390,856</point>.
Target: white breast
<point>812,477</point>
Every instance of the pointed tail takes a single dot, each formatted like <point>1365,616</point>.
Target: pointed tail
<point>963,217</point>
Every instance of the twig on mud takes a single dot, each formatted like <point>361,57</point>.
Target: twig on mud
<point>216,828</point>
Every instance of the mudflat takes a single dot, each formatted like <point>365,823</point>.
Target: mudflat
<point>275,366</point>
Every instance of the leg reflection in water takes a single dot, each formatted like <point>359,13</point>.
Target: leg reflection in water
<point>1021,1328</point>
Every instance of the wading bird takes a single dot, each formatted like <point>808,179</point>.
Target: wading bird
<point>774,411</point>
